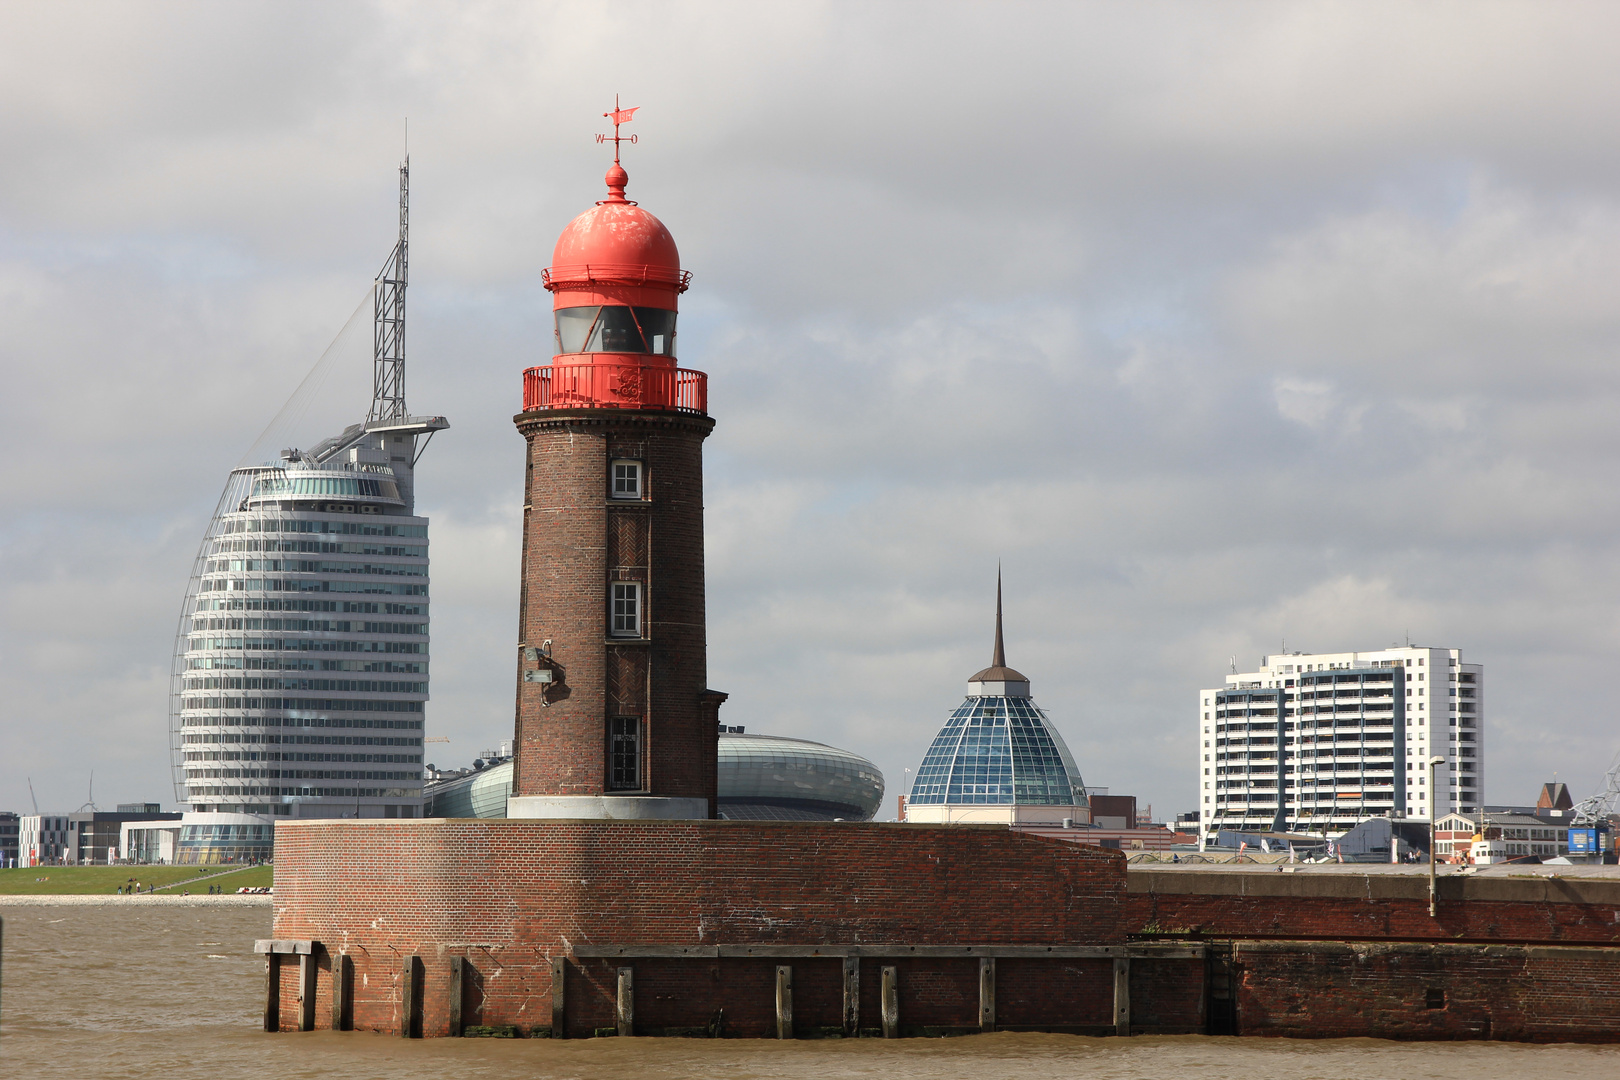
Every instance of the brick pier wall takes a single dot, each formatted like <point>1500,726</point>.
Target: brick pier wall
<point>1315,955</point>
<point>714,904</point>
<point>1372,907</point>
<point>509,896</point>
<point>1427,991</point>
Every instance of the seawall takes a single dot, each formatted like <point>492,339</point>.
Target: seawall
<point>541,915</point>
<point>778,929</point>
<point>1344,905</point>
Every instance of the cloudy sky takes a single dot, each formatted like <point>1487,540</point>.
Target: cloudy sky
<point>1217,325</point>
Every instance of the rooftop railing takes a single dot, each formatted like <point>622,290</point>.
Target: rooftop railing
<point>616,386</point>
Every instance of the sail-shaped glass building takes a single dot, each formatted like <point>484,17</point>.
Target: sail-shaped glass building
<point>301,662</point>
<point>998,758</point>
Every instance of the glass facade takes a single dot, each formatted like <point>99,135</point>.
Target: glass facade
<point>202,845</point>
<point>761,777</point>
<point>302,657</point>
<point>482,794</point>
<point>998,751</point>
<point>769,778</point>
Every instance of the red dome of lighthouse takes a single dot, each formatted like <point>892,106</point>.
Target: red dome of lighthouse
<point>616,252</point>
<point>616,282</point>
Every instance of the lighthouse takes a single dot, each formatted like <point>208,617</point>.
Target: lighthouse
<point>614,715</point>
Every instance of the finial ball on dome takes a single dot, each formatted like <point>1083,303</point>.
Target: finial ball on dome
<point>616,179</point>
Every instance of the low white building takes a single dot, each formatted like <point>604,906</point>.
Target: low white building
<point>42,839</point>
<point>1316,742</point>
<point>149,841</point>
<point>1508,836</point>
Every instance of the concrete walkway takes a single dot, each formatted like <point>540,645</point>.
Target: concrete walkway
<point>1271,866</point>
<point>150,899</point>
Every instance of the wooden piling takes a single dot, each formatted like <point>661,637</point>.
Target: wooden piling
<point>409,997</point>
<point>1122,995</point>
<point>272,992</point>
<point>308,965</point>
<point>891,1002</point>
<point>852,997</point>
<point>457,967</point>
<point>784,1002</point>
<point>987,993</point>
<point>559,976</point>
<point>625,1012</point>
<point>342,987</point>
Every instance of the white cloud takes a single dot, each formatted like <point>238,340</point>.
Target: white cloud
<point>1305,401</point>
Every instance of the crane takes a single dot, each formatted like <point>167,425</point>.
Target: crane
<point>1596,809</point>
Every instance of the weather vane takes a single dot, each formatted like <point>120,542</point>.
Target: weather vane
<point>619,116</point>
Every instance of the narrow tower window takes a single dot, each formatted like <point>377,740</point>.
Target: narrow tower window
<point>626,615</point>
<point>624,753</point>
<point>627,479</point>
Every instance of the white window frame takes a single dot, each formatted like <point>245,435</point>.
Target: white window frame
<point>636,471</point>
<point>624,609</point>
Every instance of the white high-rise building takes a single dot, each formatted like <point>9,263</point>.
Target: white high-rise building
<point>1315,742</point>
<point>301,662</point>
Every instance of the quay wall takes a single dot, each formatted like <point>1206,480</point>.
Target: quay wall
<point>545,922</point>
<point>510,896</point>
<point>1407,990</point>
<point>1372,907</point>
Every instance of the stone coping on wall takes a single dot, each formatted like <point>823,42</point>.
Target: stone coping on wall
<point>139,900</point>
<point>1352,885</point>
<point>1284,947</point>
<point>1161,862</point>
<point>1137,951</point>
<point>740,824</point>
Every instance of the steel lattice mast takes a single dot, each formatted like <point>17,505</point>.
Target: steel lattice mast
<point>369,469</point>
<point>388,351</point>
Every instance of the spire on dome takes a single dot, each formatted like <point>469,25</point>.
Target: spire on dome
<point>616,177</point>
<point>999,657</point>
<point>998,671</point>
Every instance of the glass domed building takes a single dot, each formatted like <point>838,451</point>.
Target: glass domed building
<point>771,778</point>
<point>998,758</point>
<point>760,778</point>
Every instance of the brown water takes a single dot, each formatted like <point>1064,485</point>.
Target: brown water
<point>173,993</point>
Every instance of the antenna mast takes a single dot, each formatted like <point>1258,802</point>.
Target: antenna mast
<point>388,295</point>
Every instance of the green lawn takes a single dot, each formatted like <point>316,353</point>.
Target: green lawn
<point>108,879</point>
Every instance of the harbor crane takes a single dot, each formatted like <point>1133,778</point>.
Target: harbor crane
<point>1597,809</point>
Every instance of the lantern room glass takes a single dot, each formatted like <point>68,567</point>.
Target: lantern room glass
<point>615,328</point>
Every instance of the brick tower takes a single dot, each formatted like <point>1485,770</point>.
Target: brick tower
<point>614,717</point>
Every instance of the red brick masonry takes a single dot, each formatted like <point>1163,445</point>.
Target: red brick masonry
<point>577,541</point>
<point>510,896</point>
<point>1311,954</point>
<point>1373,907</point>
<point>703,913</point>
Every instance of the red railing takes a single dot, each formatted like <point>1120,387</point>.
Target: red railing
<point>615,386</point>
<point>587,276</point>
